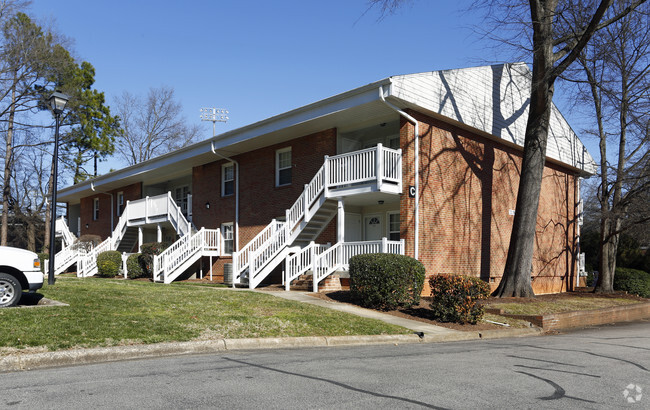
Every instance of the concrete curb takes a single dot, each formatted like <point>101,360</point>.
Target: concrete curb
<point>30,361</point>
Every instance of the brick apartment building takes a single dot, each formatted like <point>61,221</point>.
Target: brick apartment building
<point>342,173</point>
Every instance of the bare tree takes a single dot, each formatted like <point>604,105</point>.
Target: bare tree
<point>152,126</point>
<point>613,73</point>
<point>555,43</point>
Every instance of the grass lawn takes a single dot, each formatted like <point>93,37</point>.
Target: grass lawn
<point>106,312</point>
<point>546,307</point>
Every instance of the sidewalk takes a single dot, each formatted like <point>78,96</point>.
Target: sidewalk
<point>422,333</point>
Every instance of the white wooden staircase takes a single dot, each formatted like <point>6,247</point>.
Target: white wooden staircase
<point>376,169</point>
<point>146,211</point>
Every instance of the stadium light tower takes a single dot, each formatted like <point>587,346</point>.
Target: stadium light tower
<point>215,115</point>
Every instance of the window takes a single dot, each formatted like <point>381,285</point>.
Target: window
<point>283,167</point>
<point>393,226</point>
<point>227,239</point>
<point>95,209</point>
<point>393,142</point>
<point>120,203</point>
<point>228,179</point>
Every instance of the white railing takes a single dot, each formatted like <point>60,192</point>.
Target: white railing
<point>338,256</point>
<point>61,228</point>
<point>89,261</point>
<point>182,250</point>
<point>299,263</point>
<point>149,209</point>
<point>378,164</point>
<point>265,253</point>
<point>242,258</point>
<point>66,256</point>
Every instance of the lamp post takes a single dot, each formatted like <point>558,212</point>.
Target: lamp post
<point>57,102</point>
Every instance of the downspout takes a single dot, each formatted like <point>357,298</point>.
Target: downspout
<point>214,151</point>
<point>92,187</point>
<point>416,159</point>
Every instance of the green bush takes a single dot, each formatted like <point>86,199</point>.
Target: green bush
<point>109,264</point>
<point>455,298</point>
<point>135,266</point>
<point>632,281</point>
<point>148,251</point>
<point>386,281</point>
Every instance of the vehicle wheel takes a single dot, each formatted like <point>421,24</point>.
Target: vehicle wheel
<point>10,290</point>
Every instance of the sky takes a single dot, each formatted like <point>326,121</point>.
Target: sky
<point>259,58</point>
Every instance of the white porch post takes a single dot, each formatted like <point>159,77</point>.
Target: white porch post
<point>314,268</point>
<point>158,233</point>
<point>384,245</point>
<point>340,223</point>
<point>140,238</point>
<point>379,160</point>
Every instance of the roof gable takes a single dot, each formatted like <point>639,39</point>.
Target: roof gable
<point>493,99</point>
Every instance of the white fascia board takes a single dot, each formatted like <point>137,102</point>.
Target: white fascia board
<point>328,106</point>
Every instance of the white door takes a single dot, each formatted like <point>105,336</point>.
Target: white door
<point>372,227</point>
<point>352,227</point>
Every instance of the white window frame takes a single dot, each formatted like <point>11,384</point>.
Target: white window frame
<point>224,180</point>
<point>120,203</point>
<point>183,200</point>
<point>388,231</point>
<point>277,166</point>
<point>95,209</point>
<point>225,239</point>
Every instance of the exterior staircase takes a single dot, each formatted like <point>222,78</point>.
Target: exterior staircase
<point>376,169</point>
<point>149,210</point>
<point>71,251</point>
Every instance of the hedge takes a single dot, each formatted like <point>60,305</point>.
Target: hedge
<point>386,281</point>
<point>135,266</point>
<point>454,298</point>
<point>109,264</point>
<point>632,281</point>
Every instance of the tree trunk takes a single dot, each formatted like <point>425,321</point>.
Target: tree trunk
<point>608,248</point>
<point>9,153</point>
<point>516,280</point>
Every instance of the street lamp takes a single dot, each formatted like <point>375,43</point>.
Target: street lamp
<point>57,102</point>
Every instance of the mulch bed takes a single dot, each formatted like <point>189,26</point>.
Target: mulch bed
<point>420,313</point>
<point>423,314</point>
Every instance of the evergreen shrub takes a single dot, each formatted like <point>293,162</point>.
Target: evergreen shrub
<point>454,298</point>
<point>386,281</point>
<point>109,264</point>
<point>148,251</point>
<point>632,281</point>
<point>135,266</point>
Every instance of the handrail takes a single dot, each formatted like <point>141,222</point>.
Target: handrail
<point>299,263</point>
<point>338,256</point>
<point>375,163</point>
<point>181,250</point>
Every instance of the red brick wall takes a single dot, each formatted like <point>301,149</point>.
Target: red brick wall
<point>259,199</point>
<point>102,226</point>
<point>468,186</point>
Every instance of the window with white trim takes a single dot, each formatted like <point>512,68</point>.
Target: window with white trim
<point>393,226</point>
<point>120,203</point>
<point>95,209</point>
<point>227,179</point>
<point>283,167</point>
<point>227,238</point>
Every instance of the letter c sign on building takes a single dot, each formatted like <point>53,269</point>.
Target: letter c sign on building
<point>411,191</point>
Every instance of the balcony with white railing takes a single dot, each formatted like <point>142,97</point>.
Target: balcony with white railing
<point>155,209</point>
<point>376,169</point>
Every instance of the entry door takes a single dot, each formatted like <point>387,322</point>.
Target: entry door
<point>372,227</point>
<point>352,227</point>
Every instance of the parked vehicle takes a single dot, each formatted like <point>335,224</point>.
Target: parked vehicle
<point>20,270</point>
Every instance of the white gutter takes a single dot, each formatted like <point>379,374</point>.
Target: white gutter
<point>92,187</point>
<point>416,134</point>
<point>214,151</point>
